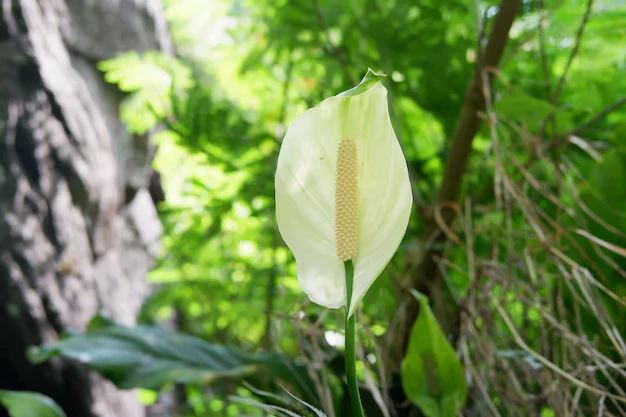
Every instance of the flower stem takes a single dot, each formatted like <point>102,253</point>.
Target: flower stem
<point>353,385</point>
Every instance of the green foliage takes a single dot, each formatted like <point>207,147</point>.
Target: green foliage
<point>150,357</point>
<point>605,193</point>
<point>531,112</point>
<point>276,410</point>
<point>148,79</point>
<point>432,375</point>
<point>604,214</point>
<point>29,404</point>
<point>246,69</point>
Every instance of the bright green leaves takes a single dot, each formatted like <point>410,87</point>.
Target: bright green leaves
<point>29,404</point>
<point>432,375</point>
<point>149,78</point>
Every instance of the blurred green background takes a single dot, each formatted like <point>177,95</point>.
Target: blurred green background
<point>532,272</point>
<point>245,70</point>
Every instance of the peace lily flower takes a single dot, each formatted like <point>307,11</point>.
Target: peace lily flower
<point>343,192</point>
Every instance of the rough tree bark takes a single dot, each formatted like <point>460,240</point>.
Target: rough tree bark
<point>78,228</point>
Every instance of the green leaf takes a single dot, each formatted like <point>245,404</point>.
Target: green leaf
<point>432,375</point>
<point>29,404</point>
<point>149,71</point>
<point>151,357</point>
<point>532,112</point>
<point>150,78</point>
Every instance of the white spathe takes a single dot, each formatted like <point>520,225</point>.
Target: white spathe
<point>305,191</point>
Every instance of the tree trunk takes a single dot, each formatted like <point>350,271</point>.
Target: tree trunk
<point>427,277</point>
<point>78,228</point>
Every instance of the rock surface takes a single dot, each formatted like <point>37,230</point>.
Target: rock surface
<point>78,228</point>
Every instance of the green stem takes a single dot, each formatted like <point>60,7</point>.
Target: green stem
<point>353,384</point>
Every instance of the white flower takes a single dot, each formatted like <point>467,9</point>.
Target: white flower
<point>343,192</point>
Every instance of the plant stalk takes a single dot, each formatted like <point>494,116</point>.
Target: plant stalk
<point>353,384</point>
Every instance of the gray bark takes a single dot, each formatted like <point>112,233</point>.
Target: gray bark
<point>78,228</point>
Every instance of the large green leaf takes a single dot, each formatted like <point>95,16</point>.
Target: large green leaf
<point>29,404</point>
<point>151,357</point>
<point>432,375</point>
<point>532,112</point>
